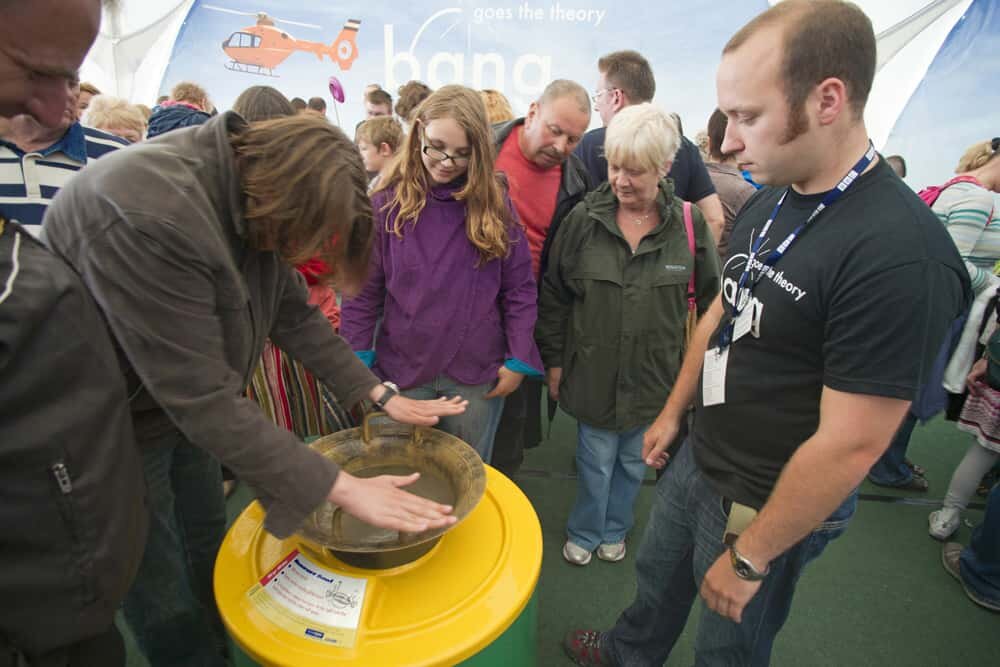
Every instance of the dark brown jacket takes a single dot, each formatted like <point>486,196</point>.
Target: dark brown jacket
<point>158,235</point>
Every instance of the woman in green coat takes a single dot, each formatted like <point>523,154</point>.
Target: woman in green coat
<point>611,320</point>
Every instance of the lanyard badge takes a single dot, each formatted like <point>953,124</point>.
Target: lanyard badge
<point>745,286</point>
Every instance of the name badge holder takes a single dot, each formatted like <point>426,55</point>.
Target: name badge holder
<point>740,321</point>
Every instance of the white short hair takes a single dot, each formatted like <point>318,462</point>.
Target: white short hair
<point>107,112</point>
<point>642,136</point>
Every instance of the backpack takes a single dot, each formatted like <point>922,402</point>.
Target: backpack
<point>929,195</point>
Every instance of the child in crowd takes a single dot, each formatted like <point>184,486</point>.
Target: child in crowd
<point>378,139</point>
<point>450,272</point>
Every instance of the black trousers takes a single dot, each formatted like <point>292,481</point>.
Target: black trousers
<point>520,426</point>
<point>104,650</point>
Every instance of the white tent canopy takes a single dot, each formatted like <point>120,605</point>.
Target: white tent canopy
<point>136,42</point>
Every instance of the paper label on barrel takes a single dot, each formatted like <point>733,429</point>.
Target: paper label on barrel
<point>310,601</point>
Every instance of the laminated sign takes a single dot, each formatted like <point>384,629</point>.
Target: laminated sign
<point>310,601</point>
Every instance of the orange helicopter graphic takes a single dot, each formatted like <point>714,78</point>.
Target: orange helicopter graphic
<point>259,49</point>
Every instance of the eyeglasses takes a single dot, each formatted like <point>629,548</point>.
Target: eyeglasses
<point>596,96</point>
<point>995,144</point>
<point>441,156</point>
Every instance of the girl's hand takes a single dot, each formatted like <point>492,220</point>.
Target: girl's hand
<point>507,383</point>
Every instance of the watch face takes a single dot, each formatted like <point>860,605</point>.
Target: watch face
<point>742,570</point>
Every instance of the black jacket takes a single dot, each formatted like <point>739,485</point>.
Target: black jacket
<point>574,185</point>
<point>73,517</point>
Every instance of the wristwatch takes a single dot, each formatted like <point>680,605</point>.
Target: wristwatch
<point>391,389</point>
<point>743,567</point>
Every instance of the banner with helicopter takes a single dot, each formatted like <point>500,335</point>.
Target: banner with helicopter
<point>518,46</point>
<point>515,47</point>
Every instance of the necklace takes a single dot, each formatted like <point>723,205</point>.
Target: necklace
<point>641,220</point>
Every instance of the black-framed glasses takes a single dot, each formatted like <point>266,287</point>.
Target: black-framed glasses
<point>995,144</point>
<point>440,156</point>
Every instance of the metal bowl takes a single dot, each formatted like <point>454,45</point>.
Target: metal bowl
<point>451,472</point>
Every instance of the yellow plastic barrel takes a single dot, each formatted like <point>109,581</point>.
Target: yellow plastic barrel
<point>469,601</point>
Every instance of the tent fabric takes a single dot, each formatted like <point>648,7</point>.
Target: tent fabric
<point>142,45</point>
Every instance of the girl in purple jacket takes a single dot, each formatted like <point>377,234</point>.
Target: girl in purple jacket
<point>450,272</point>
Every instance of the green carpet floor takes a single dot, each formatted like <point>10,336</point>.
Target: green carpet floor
<point>878,596</point>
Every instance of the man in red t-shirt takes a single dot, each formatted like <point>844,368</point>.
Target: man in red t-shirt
<point>533,152</point>
<point>546,181</point>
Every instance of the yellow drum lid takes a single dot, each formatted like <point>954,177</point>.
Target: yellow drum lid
<point>438,610</point>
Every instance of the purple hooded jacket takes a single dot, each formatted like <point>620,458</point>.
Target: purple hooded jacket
<point>443,314</point>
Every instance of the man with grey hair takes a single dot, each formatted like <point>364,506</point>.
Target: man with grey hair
<point>546,181</point>
<point>72,514</point>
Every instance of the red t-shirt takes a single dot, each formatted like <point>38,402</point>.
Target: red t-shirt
<point>533,190</point>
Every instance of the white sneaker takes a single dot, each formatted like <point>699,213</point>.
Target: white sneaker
<point>611,552</point>
<point>575,554</point>
<point>944,522</point>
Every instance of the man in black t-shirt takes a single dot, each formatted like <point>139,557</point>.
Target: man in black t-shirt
<point>800,380</point>
<point>625,78</point>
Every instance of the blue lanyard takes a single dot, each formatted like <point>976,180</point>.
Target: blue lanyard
<point>741,300</point>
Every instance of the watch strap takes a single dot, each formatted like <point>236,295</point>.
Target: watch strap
<point>390,391</point>
<point>743,567</point>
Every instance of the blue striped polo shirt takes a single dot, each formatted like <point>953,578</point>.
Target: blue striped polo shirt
<point>29,181</point>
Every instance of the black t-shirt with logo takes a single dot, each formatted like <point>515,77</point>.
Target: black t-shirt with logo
<point>859,303</point>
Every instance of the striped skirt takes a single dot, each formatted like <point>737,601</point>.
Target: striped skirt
<point>293,398</point>
<point>981,416</point>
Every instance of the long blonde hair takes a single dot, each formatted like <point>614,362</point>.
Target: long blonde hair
<point>487,217</point>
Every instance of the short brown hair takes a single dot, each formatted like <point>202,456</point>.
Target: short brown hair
<point>306,195</point>
<point>717,123</point>
<point>258,103</point>
<point>411,94</point>
<point>87,87</point>
<point>185,91</point>
<point>298,103</point>
<point>631,73</point>
<point>317,104</point>
<point>381,130</point>
<point>380,98</point>
<point>821,39</point>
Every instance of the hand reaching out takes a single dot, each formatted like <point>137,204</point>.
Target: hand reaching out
<point>381,501</point>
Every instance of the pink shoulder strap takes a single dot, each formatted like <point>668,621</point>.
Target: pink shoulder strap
<point>689,227</point>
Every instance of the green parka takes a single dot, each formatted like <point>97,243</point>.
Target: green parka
<point>614,320</point>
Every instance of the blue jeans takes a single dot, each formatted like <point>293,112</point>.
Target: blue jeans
<point>610,470</point>
<point>171,606</point>
<point>478,424</point>
<point>683,539</point>
<point>980,561</point>
<point>891,469</point>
